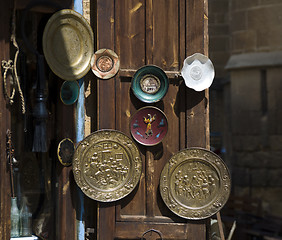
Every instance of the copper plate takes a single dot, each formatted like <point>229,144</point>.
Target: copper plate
<point>68,44</point>
<point>65,151</point>
<point>195,183</point>
<point>107,165</point>
<point>105,63</point>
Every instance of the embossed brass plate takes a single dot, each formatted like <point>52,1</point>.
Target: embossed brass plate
<point>68,44</point>
<point>195,183</point>
<point>107,165</point>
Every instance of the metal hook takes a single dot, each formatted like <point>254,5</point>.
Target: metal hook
<point>152,230</point>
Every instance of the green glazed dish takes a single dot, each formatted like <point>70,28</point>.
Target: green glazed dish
<point>149,84</point>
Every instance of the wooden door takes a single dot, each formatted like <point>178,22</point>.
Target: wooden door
<point>163,33</point>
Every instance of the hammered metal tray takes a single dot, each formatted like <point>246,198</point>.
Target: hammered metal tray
<point>68,44</point>
<point>195,183</point>
<point>107,165</point>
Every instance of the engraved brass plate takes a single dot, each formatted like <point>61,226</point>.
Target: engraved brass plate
<point>195,183</point>
<point>107,165</point>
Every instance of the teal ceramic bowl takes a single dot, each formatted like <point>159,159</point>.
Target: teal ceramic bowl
<point>149,84</point>
<point>69,92</point>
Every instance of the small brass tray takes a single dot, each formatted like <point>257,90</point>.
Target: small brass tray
<point>107,165</point>
<point>195,183</point>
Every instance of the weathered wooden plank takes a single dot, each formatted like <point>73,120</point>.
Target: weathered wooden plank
<point>65,211</point>
<point>135,230</point>
<point>197,128</point>
<point>130,46</point>
<point>5,190</point>
<point>106,107</point>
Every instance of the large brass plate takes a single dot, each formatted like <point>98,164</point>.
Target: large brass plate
<point>68,44</point>
<point>195,183</point>
<point>107,165</point>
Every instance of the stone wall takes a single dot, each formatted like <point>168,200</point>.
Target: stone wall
<point>251,109</point>
<point>255,25</point>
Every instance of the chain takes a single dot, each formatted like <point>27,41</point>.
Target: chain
<point>12,65</point>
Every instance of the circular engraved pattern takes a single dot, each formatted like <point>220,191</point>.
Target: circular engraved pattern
<point>107,165</point>
<point>105,63</point>
<point>196,73</point>
<point>195,183</point>
<point>150,84</point>
<point>110,167</point>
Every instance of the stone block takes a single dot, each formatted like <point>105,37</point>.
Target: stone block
<point>219,58</point>
<point>259,178</point>
<point>268,2</point>
<point>246,143</point>
<point>270,160</point>
<point>219,30</point>
<point>274,120</point>
<point>238,21</point>
<point>219,43</point>
<point>274,88</point>
<point>245,122</point>
<point>219,6</point>
<point>265,17</point>
<point>245,90</point>
<point>274,177</point>
<point>244,41</point>
<point>243,4</point>
<point>269,38</point>
<point>275,143</point>
<point>222,18</point>
<point>241,176</point>
<point>241,191</point>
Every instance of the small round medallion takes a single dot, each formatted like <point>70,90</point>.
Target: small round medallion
<point>150,84</point>
<point>196,73</point>
<point>105,63</point>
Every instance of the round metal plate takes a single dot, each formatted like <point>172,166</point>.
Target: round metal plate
<point>149,84</point>
<point>148,126</point>
<point>69,92</point>
<point>105,63</point>
<point>65,151</point>
<point>198,72</point>
<point>68,44</point>
<point>195,183</point>
<point>107,165</point>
